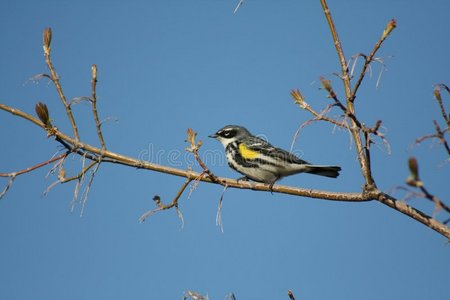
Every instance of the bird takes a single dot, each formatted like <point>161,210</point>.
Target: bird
<point>259,161</point>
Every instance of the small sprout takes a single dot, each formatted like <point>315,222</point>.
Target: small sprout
<point>42,113</point>
<point>94,72</point>
<point>389,27</point>
<point>47,40</point>
<point>413,178</point>
<point>437,93</point>
<point>191,135</point>
<point>297,96</point>
<point>327,85</point>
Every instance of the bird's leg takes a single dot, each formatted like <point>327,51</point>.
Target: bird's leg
<point>271,185</point>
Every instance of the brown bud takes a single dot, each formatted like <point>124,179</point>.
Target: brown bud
<point>389,27</point>
<point>42,113</point>
<point>327,85</point>
<point>47,40</point>
<point>437,93</point>
<point>94,72</point>
<point>298,97</point>
<point>413,179</point>
<point>191,136</point>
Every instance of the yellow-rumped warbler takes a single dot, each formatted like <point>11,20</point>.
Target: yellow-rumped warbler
<point>258,160</point>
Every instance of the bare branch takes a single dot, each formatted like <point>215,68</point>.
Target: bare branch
<point>337,43</point>
<point>440,135</point>
<point>299,99</point>
<point>97,154</point>
<point>331,94</point>
<point>355,127</point>
<point>437,96</point>
<point>194,149</point>
<point>10,183</point>
<point>55,80</point>
<point>94,106</point>
<point>161,206</point>
<point>415,181</point>
<point>414,214</point>
<point>219,221</point>
<point>368,59</point>
<point>36,166</point>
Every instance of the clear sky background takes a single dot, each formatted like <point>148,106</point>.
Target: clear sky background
<point>165,66</point>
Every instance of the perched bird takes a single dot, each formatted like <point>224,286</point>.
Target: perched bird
<point>258,160</point>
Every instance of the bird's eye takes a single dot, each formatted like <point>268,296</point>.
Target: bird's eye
<point>228,133</point>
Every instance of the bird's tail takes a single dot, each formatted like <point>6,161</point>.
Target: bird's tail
<point>328,171</point>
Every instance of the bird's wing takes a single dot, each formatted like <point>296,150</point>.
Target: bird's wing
<point>260,145</point>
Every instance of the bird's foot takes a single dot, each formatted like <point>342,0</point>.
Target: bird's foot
<point>271,186</point>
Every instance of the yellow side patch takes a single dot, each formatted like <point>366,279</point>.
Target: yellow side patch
<point>247,153</point>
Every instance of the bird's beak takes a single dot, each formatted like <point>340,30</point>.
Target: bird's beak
<point>213,136</point>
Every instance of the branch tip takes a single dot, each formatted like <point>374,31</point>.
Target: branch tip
<point>389,28</point>
<point>42,113</point>
<point>47,40</point>
<point>94,72</point>
<point>413,178</point>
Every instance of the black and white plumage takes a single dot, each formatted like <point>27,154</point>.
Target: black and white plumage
<point>258,160</point>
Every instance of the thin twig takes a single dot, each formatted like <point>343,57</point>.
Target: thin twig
<point>438,203</point>
<point>162,206</point>
<point>10,183</point>
<point>337,44</point>
<point>438,97</point>
<point>331,94</point>
<point>36,166</point>
<point>440,135</point>
<point>319,117</point>
<point>55,80</point>
<point>94,106</point>
<point>80,174</point>
<point>219,221</point>
<point>194,146</point>
<point>299,99</point>
<point>88,188</point>
<point>369,59</point>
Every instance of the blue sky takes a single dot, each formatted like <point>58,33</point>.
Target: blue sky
<point>165,66</point>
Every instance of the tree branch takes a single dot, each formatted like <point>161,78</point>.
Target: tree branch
<point>368,59</point>
<point>162,206</point>
<point>55,79</point>
<point>94,106</point>
<point>354,129</point>
<point>100,155</point>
